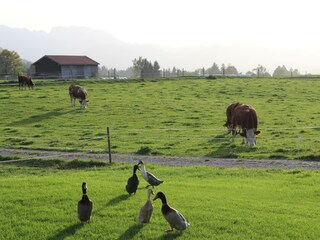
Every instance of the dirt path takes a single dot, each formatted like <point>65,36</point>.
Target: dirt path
<point>166,160</point>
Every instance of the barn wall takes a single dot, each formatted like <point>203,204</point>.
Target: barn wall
<point>71,71</point>
<point>78,71</point>
<point>45,67</point>
<point>90,71</point>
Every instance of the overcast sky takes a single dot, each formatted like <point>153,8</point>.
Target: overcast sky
<point>276,24</point>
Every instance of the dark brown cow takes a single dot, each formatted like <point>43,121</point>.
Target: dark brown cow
<point>25,81</point>
<point>229,113</point>
<point>80,93</point>
<point>244,117</point>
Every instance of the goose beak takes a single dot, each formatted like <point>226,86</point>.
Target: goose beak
<point>152,193</point>
<point>140,162</point>
<point>155,198</point>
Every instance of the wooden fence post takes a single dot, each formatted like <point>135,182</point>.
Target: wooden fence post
<point>109,144</point>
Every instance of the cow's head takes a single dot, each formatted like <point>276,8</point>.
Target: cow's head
<point>250,137</point>
<point>228,125</point>
<point>83,102</point>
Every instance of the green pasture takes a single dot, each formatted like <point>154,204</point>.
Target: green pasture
<point>182,117</point>
<point>39,201</point>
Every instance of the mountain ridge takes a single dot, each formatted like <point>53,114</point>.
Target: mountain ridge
<point>112,52</point>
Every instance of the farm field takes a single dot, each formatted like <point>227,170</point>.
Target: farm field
<point>39,201</point>
<point>178,117</point>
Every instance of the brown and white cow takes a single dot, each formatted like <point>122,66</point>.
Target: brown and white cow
<point>78,92</point>
<point>25,81</point>
<point>244,117</point>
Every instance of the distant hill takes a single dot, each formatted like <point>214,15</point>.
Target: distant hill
<point>32,45</point>
<point>112,52</point>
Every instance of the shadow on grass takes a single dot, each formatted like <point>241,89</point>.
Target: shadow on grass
<point>111,202</point>
<point>69,231</point>
<point>58,163</point>
<point>313,158</point>
<point>173,235</point>
<point>131,232</point>
<point>38,118</point>
<point>117,199</point>
<point>8,158</point>
<point>230,150</point>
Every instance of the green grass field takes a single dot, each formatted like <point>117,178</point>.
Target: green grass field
<point>39,201</point>
<point>166,117</point>
<point>182,117</point>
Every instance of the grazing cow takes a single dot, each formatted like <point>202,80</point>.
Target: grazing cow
<point>244,117</point>
<point>80,93</point>
<point>229,113</point>
<point>25,81</point>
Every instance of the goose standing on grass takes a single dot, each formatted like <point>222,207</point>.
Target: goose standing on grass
<point>149,177</point>
<point>173,217</point>
<point>133,181</point>
<point>146,210</point>
<point>84,206</point>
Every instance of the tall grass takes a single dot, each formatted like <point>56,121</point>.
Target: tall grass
<point>40,202</point>
<point>166,117</point>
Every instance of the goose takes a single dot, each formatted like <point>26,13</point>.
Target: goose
<point>146,210</point>
<point>149,177</point>
<point>173,217</point>
<point>133,181</point>
<point>84,206</point>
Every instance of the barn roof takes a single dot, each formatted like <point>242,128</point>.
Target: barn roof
<point>70,60</point>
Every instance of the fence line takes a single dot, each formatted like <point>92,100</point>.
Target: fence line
<point>167,129</point>
<point>128,136</point>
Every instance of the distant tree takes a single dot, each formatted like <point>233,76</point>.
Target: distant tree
<point>250,73</point>
<point>260,71</point>
<point>127,73</point>
<point>156,69</point>
<point>231,70</point>
<point>295,73</point>
<point>166,72</point>
<point>10,62</point>
<point>103,71</point>
<point>144,68</point>
<point>223,69</point>
<point>27,67</point>
<point>281,72</point>
<point>137,66</point>
<point>214,69</point>
<point>174,71</point>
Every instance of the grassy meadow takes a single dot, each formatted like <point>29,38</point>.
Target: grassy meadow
<point>182,117</point>
<point>39,201</point>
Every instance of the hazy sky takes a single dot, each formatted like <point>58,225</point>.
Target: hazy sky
<point>276,24</point>
<point>201,22</point>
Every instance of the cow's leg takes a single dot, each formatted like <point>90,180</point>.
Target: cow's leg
<point>244,136</point>
<point>234,133</point>
<point>233,129</point>
<point>72,98</point>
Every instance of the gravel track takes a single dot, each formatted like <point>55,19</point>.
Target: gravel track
<point>25,154</point>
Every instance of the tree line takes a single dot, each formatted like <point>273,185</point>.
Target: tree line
<point>144,68</point>
<point>12,64</point>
